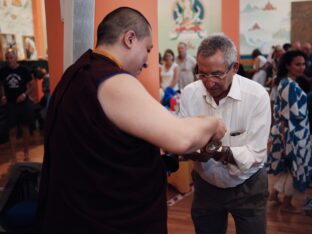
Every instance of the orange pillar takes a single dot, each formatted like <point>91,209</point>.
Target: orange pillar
<point>149,76</point>
<point>55,37</point>
<point>39,40</point>
<point>230,20</point>
<point>38,27</point>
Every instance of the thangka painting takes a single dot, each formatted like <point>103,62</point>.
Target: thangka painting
<point>29,46</point>
<point>7,42</point>
<point>187,20</point>
<point>17,18</point>
<point>263,24</point>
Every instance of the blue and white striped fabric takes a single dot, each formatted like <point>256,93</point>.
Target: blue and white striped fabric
<point>291,107</point>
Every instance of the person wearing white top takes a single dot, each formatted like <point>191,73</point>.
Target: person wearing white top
<point>232,180</point>
<point>169,71</point>
<point>259,62</point>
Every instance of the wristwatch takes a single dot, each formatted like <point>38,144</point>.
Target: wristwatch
<point>222,154</point>
<point>226,152</point>
<point>213,146</point>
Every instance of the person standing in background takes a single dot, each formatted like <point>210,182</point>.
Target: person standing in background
<point>41,73</point>
<point>44,102</point>
<point>290,152</point>
<point>278,52</point>
<point>286,46</point>
<point>169,75</point>
<point>258,67</point>
<point>16,80</point>
<point>296,45</point>
<point>169,71</point>
<point>186,64</point>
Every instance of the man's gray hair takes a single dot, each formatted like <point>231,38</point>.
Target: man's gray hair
<point>215,43</point>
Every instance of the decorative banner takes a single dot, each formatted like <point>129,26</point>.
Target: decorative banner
<point>7,41</point>
<point>187,20</point>
<point>17,18</point>
<point>263,24</point>
<point>29,46</point>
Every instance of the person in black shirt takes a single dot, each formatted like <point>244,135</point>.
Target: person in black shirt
<point>16,81</point>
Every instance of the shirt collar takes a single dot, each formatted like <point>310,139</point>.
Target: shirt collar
<point>234,92</point>
<point>108,55</point>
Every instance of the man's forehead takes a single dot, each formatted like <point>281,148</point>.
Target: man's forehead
<point>211,66</point>
<point>216,58</point>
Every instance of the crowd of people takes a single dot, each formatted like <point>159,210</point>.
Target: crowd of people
<point>21,109</point>
<point>288,78</point>
<point>290,151</point>
<point>102,169</point>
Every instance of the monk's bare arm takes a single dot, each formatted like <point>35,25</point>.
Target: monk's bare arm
<point>129,106</point>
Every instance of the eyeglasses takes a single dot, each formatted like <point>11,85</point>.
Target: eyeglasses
<point>217,76</point>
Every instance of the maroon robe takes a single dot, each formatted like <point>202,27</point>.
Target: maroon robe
<point>97,178</point>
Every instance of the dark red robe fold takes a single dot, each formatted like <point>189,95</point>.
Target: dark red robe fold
<point>97,178</point>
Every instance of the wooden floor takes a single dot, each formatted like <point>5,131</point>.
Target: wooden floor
<point>35,154</point>
<point>179,219</point>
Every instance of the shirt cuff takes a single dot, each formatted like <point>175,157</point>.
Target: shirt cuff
<point>243,160</point>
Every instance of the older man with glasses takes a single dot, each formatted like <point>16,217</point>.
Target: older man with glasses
<point>230,178</point>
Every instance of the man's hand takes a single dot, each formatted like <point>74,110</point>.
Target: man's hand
<point>21,98</point>
<point>223,154</point>
<point>220,131</point>
<point>195,156</point>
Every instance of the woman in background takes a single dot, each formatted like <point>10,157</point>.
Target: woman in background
<point>169,71</point>
<point>278,52</point>
<point>259,62</point>
<point>290,153</point>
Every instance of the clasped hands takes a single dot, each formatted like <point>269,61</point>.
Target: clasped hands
<point>213,150</point>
